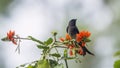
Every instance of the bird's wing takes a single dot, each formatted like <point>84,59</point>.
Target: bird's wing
<point>67,29</point>
<point>77,31</point>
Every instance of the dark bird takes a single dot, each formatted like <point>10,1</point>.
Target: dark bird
<point>72,30</point>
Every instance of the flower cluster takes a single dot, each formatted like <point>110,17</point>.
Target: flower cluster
<point>67,37</point>
<point>78,45</point>
<point>82,35</point>
<point>10,36</point>
<point>81,39</point>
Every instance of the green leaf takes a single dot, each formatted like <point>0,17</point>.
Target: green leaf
<point>55,55</point>
<point>30,66</point>
<point>87,40</point>
<point>36,40</point>
<point>53,63</point>
<point>65,53</point>
<point>43,64</point>
<point>49,41</point>
<point>117,53</point>
<point>117,64</point>
<point>42,47</point>
<point>5,39</point>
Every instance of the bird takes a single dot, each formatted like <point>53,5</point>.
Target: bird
<point>72,30</point>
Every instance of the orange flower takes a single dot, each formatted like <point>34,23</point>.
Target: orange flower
<point>81,35</point>
<point>80,51</point>
<point>71,46</point>
<point>71,52</point>
<point>83,43</point>
<point>62,39</point>
<point>68,37</point>
<point>10,36</point>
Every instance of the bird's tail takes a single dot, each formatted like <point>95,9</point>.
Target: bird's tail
<point>85,50</point>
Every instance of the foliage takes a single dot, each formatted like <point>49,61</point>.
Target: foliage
<point>117,54</point>
<point>71,49</point>
<point>117,62</point>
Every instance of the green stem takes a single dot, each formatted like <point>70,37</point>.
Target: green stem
<point>66,63</point>
<point>22,38</point>
<point>57,52</point>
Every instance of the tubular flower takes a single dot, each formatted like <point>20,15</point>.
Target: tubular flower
<point>83,43</point>
<point>71,52</point>
<point>10,36</point>
<point>80,51</point>
<point>68,37</point>
<point>62,39</point>
<point>71,46</point>
<point>82,35</point>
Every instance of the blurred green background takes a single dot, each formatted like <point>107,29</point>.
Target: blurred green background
<point>40,17</point>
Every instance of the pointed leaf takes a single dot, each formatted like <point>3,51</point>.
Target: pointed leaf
<point>87,40</point>
<point>5,39</point>
<point>42,47</point>
<point>49,41</point>
<point>55,55</point>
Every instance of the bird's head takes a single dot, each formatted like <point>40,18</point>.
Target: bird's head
<point>72,22</point>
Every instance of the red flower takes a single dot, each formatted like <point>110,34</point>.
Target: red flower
<point>10,36</point>
<point>80,51</point>
<point>83,43</point>
<point>81,35</point>
<point>71,52</point>
<point>71,46</point>
<point>68,37</point>
<point>62,39</point>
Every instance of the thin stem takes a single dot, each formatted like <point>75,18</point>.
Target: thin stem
<point>66,63</point>
<point>22,38</point>
<point>61,46</point>
<point>18,47</point>
<point>57,52</point>
<point>55,38</point>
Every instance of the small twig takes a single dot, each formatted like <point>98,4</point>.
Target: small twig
<point>61,46</point>
<point>22,38</point>
<point>18,47</point>
<point>66,63</point>
<point>57,52</point>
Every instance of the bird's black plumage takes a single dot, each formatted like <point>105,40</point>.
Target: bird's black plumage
<point>72,29</point>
